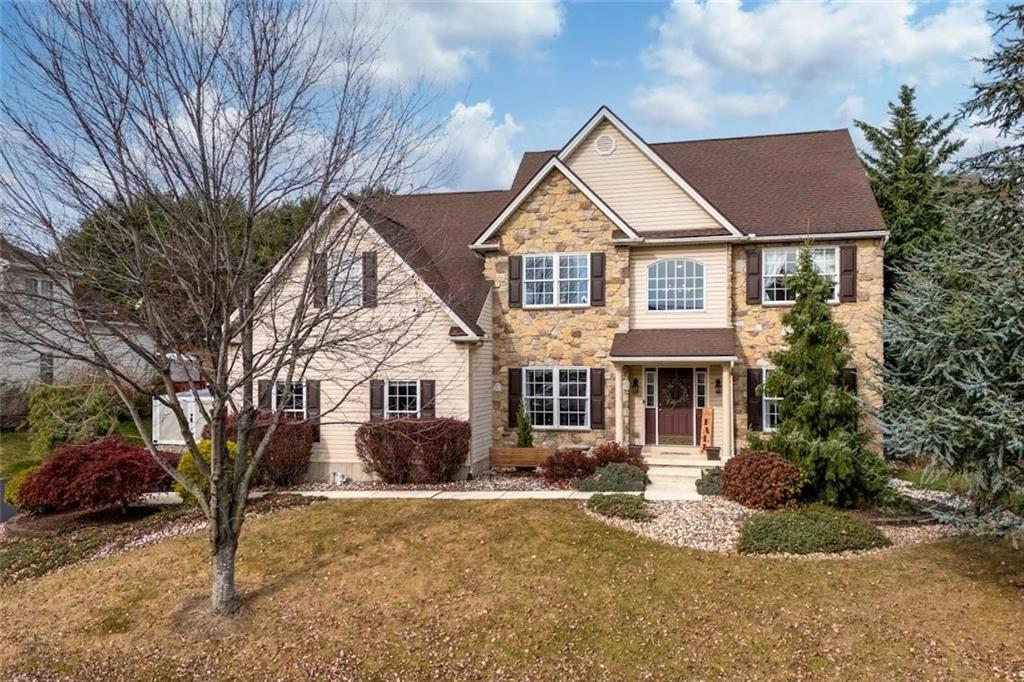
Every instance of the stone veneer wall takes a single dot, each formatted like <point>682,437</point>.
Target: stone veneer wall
<point>557,217</point>
<point>759,330</point>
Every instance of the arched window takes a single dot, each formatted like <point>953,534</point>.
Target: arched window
<point>675,284</point>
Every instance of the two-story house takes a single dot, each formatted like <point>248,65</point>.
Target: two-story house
<point>626,291</point>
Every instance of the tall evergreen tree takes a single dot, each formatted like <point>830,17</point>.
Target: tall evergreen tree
<point>819,419</point>
<point>905,167</point>
<point>956,323</point>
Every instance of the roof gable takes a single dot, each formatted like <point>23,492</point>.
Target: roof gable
<point>553,164</point>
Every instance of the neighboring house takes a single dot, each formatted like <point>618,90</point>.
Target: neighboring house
<point>23,284</point>
<point>622,289</point>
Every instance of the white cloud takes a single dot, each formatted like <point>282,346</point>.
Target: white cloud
<point>721,51</point>
<point>851,108</point>
<point>696,106</point>
<point>979,138</point>
<point>443,42</point>
<point>475,149</point>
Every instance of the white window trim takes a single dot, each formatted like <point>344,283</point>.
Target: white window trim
<point>305,402</point>
<point>704,288</point>
<point>782,304</point>
<point>388,414</point>
<point>335,271</point>
<point>765,399</point>
<point>554,369</point>
<point>555,266</point>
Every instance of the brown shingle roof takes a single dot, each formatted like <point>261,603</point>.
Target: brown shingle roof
<point>432,232</point>
<point>675,343</point>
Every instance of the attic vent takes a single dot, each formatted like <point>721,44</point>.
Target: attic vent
<point>604,144</point>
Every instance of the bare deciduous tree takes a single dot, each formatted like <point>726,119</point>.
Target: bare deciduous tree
<point>178,125</point>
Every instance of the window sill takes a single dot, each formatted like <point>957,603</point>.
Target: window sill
<point>562,428</point>
<point>560,306</point>
<point>789,304</point>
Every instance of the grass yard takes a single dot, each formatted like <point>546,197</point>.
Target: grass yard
<point>411,589</point>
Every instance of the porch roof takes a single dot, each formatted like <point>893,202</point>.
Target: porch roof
<point>675,344</point>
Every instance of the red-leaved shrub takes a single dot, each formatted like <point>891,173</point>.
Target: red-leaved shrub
<point>567,464</point>
<point>414,450</point>
<point>286,457</point>
<point>610,452</point>
<point>760,479</point>
<point>102,473</point>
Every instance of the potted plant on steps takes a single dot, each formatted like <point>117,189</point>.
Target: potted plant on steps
<point>524,454</point>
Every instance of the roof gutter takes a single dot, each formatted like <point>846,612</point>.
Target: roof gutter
<point>673,358</point>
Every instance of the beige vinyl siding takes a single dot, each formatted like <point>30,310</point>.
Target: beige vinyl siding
<point>714,258</point>
<point>424,351</point>
<point>634,187</point>
<point>481,408</point>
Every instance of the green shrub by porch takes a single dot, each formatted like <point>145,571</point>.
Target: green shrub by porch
<point>807,531</point>
<point>632,507</point>
<point>615,477</point>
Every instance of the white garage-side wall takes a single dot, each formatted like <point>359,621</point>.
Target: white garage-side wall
<point>421,349</point>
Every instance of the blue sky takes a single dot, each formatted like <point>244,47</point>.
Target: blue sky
<point>525,76</point>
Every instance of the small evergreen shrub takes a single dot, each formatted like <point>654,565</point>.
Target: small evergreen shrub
<point>414,450</point>
<point>615,477</point>
<point>709,482</point>
<point>12,491</point>
<point>568,464</point>
<point>760,479</point>
<point>807,531</point>
<point>524,429</point>
<point>187,467</point>
<point>609,452</point>
<point>70,414</point>
<point>632,507</point>
<point>109,471</point>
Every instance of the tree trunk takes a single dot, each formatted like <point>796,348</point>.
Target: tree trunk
<point>223,598</point>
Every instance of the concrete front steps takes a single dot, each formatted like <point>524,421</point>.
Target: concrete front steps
<point>674,476</point>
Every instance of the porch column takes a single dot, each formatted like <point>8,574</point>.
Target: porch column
<point>617,370</point>
<point>730,408</point>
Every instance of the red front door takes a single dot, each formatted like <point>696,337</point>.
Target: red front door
<point>675,406</point>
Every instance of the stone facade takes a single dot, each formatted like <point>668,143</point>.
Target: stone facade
<point>557,217</point>
<point>759,329</point>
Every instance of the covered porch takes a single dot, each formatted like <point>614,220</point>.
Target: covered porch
<point>674,393</point>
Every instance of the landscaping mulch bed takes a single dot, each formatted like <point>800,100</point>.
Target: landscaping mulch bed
<point>495,480</point>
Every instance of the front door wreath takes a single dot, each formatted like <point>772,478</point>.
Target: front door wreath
<point>675,395</point>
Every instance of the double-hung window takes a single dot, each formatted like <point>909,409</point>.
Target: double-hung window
<point>778,264</point>
<point>403,399</point>
<point>769,404</point>
<point>557,397</point>
<point>290,399</point>
<point>556,279</point>
<point>675,284</point>
<point>345,277</point>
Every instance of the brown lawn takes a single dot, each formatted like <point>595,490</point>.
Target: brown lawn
<point>515,590</point>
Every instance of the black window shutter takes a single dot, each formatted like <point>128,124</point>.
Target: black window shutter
<point>376,399</point>
<point>596,398</point>
<point>263,395</point>
<point>754,418</point>
<point>319,280</point>
<point>597,279</point>
<point>753,276</point>
<point>515,281</point>
<point>848,274</point>
<point>515,393</point>
<point>313,406</point>
<point>369,279</point>
<point>427,398</point>
<point>850,379</point>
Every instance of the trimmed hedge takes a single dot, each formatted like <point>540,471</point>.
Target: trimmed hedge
<point>710,482</point>
<point>414,450</point>
<point>573,463</point>
<point>187,468</point>
<point>109,471</point>
<point>807,531</point>
<point>632,507</point>
<point>760,479</point>
<point>615,477</point>
<point>286,457</point>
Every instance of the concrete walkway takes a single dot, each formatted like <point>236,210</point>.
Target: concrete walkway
<point>173,498</point>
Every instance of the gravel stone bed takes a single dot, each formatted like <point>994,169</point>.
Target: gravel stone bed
<point>495,480</point>
<point>939,497</point>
